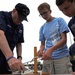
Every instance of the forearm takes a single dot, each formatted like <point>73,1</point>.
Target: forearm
<point>19,49</point>
<point>42,47</point>
<point>4,45</point>
<point>61,43</point>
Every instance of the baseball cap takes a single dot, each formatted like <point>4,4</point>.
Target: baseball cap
<point>22,10</point>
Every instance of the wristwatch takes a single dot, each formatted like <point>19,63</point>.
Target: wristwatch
<point>19,57</point>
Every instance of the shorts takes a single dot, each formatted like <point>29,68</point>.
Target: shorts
<point>57,66</point>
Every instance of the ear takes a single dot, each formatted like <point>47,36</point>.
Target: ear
<point>50,11</point>
<point>13,10</point>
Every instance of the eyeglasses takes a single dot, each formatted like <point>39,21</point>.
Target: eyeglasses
<point>41,14</point>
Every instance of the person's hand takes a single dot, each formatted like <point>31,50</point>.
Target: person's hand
<point>40,53</point>
<point>47,55</point>
<point>16,65</point>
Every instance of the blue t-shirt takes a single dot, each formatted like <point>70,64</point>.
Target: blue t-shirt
<point>51,32</point>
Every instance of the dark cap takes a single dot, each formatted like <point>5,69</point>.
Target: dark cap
<point>22,10</point>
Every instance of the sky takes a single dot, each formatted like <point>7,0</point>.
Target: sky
<point>31,28</point>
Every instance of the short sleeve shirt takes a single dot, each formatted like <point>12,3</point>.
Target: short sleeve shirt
<point>13,32</point>
<point>71,25</point>
<point>51,32</point>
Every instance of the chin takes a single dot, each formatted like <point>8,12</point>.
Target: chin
<point>69,15</point>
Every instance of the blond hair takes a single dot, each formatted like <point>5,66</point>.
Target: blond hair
<point>43,5</point>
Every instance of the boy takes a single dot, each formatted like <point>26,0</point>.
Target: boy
<point>68,8</point>
<point>53,48</point>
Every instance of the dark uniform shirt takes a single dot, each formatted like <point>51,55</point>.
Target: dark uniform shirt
<point>72,47</point>
<point>13,32</point>
<point>72,25</point>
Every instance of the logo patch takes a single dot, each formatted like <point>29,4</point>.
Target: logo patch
<point>9,26</point>
<point>20,31</point>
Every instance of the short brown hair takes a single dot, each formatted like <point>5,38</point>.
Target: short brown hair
<point>43,5</point>
<point>60,2</point>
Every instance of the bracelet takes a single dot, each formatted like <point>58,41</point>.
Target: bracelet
<point>9,58</point>
<point>19,57</point>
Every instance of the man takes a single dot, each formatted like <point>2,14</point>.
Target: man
<point>53,48</point>
<point>11,36</point>
<point>68,8</point>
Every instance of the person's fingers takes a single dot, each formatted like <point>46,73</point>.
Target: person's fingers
<point>13,67</point>
<point>22,67</point>
<point>16,65</point>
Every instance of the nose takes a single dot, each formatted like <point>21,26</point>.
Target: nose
<point>65,12</point>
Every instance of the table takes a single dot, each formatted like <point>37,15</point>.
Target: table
<point>37,74</point>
